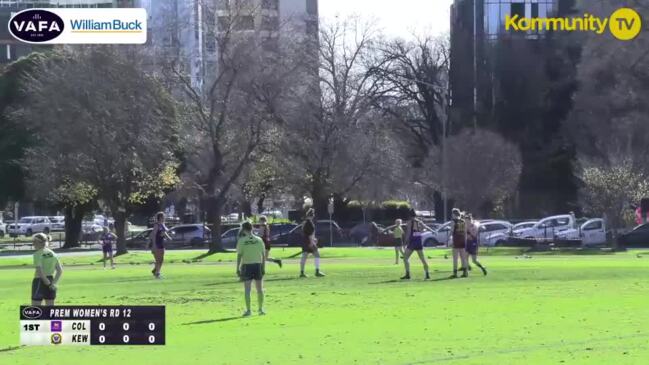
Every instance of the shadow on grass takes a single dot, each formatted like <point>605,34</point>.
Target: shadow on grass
<point>115,255</point>
<point>213,321</point>
<point>239,281</point>
<point>297,254</point>
<point>12,348</point>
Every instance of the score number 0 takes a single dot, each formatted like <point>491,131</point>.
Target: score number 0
<point>125,327</point>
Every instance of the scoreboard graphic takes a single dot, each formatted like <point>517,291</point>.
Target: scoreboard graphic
<point>92,325</point>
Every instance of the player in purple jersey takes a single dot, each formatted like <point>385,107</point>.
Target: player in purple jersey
<point>107,239</point>
<point>472,245</point>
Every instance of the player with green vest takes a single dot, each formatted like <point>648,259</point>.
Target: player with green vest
<point>251,265</point>
<point>397,233</point>
<point>48,271</point>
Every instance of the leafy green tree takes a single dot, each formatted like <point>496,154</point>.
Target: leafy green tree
<point>14,137</point>
<point>608,190</point>
<point>102,123</point>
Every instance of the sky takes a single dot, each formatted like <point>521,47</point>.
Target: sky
<point>400,18</point>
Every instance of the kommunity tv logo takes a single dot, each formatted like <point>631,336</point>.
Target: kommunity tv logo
<point>624,24</point>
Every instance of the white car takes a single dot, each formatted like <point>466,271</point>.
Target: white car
<point>547,228</point>
<point>521,226</point>
<point>29,226</point>
<point>438,236</point>
<point>272,213</point>
<point>591,233</point>
<point>493,233</point>
<point>58,223</point>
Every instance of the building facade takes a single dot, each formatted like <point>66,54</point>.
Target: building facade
<point>188,30</point>
<point>475,26</point>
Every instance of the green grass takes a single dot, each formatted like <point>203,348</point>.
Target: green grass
<point>543,309</point>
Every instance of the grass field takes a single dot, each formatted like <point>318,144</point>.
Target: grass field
<point>544,309</point>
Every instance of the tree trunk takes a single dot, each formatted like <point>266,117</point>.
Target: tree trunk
<point>214,212</point>
<point>260,203</point>
<point>120,230</point>
<point>73,222</point>
<point>246,208</point>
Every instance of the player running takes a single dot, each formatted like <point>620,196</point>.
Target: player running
<point>265,236</point>
<point>458,238</point>
<point>310,244</point>
<point>472,230</point>
<point>251,265</point>
<point>106,240</point>
<point>48,271</point>
<point>414,245</point>
<point>397,234</point>
<point>158,235</point>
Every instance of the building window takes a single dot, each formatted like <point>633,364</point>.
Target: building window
<point>270,4</point>
<point>518,9</point>
<point>269,23</point>
<point>535,10</point>
<point>246,22</point>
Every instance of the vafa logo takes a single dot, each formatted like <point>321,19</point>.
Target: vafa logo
<point>36,25</point>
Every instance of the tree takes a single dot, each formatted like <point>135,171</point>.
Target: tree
<point>231,117</point>
<point>101,123</point>
<point>332,135</point>
<point>14,138</point>
<point>482,171</point>
<point>609,120</point>
<point>609,190</point>
<point>416,76</point>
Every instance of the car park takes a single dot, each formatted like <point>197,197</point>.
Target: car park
<point>29,226</point>
<point>493,233</point>
<point>547,228</point>
<point>189,234</point>
<point>58,223</point>
<point>638,237</point>
<point>360,233</point>
<point>590,233</point>
<point>140,240</point>
<point>323,228</point>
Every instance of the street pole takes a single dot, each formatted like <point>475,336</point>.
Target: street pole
<point>330,208</point>
<point>475,65</point>
<point>443,142</point>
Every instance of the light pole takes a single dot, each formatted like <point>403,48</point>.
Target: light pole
<point>330,209</point>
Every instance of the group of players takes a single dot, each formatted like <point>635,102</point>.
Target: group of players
<point>253,251</point>
<point>463,239</point>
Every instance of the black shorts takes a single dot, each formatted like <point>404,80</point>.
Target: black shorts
<point>251,272</point>
<point>40,291</point>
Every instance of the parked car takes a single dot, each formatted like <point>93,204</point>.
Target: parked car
<point>638,237</point>
<point>229,238</point>
<point>523,225</point>
<point>360,233</point>
<point>272,213</point>
<point>29,226</point>
<point>590,233</point>
<point>493,233</point>
<point>189,234</point>
<point>441,235</point>
<point>294,238</point>
<point>58,223</point>
<point>547,228</point>
<point>140,240</point>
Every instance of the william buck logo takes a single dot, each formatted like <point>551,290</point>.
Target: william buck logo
<point>625,24</point>
<point>36,26</point>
